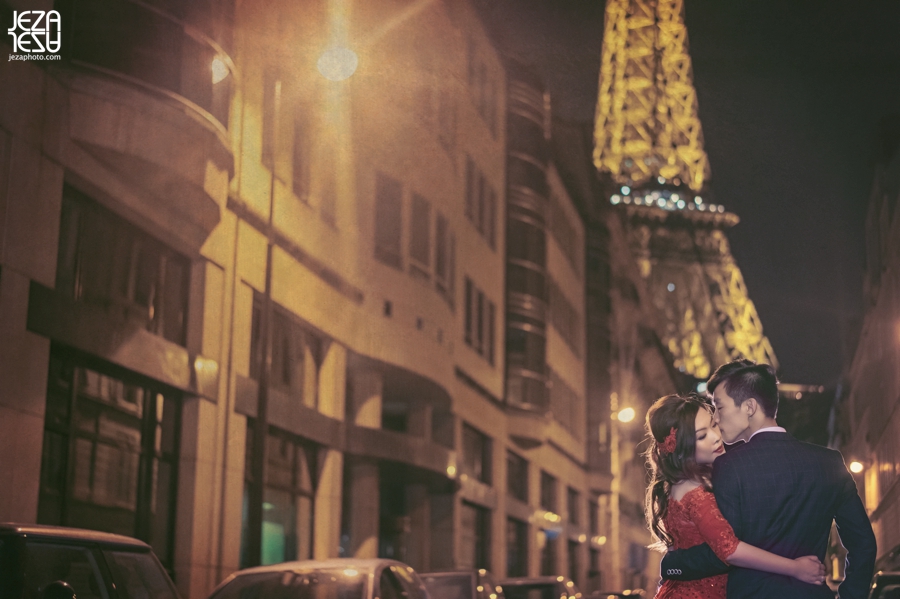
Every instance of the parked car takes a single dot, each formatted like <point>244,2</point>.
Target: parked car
<point>462,584</point>
<point>885,585</point>
<point>342,578</point>
<point>53,562</point>
<point>540,587</point>
<point>627,594</point>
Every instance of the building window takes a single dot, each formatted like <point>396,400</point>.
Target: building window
<point>271,91</point>
<point>446,119</point>
<point>420,237</point>
<point>300,159</point>
<point>548,554</point>
<point>516,548</point>
<point>105,260</point>
<point>565,318</point>
<point>574,566</point>
<point>573,505</point>
<point>476,451</point>
<point>482,87</point>
<point>479,320</point>
<point>475,536</point>
<point>565,233</point>
<point>564,405</point>
<point>444,259</point>
<point>296,354</point>
<point>287,497</point>
<point>388,221</point>
<point>594,517</point>
<point>481,203</point>
<point>548,492</point>
<point>110,454</point>
<point>517,476</point>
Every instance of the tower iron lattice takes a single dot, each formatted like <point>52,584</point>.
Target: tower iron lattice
<point>649,147</point>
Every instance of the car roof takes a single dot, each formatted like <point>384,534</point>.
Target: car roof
<point>63,533</point>
<point>367,565</point>
<point>533,580</point>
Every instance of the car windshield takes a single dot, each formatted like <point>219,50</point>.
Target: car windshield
<point>448,586</point>
<point>319,584</point>
<point>138,575</point>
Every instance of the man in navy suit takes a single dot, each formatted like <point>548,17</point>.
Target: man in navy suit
<point>778,493</point>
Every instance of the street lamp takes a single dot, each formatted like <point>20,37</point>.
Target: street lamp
<point>856,467</point>
<point>337,63</point>
<point>625,415</point>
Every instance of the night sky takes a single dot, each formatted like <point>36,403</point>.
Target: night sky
<point>791,97</point>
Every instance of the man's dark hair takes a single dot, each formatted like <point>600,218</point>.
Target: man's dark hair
<point>744,379</point>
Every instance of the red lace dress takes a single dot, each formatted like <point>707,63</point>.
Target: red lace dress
<point>695,520</point>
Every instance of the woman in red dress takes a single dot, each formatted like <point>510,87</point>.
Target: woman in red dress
<point>681,508</point>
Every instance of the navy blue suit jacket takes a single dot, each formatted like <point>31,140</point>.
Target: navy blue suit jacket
<point>781,495</point>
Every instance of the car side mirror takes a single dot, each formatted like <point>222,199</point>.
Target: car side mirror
<point>59,589</point>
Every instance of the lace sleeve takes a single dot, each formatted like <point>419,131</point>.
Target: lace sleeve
<point>713,526</point>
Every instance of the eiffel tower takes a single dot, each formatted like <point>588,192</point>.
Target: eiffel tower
<point>649,147</point>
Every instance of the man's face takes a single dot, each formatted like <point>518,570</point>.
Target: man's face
<point>734,421</point>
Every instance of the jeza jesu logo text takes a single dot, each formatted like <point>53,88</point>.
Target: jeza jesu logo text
<point>36,31</point>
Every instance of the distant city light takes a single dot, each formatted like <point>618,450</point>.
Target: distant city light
<point>626,415</point>
<point>337,64</point>
<point>615,199</point>
<point>626,190</point>
<point>219,70</point>
<point>856,467</point>
<point>670,287</point>
<point>701,387</point>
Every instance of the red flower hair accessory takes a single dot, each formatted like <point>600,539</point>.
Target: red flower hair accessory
<point>667,446</point>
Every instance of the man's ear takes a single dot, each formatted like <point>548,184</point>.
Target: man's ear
<point>750,406</point>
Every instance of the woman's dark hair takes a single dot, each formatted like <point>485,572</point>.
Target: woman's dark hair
<point>666,469</point>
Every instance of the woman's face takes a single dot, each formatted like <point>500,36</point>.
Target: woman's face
<point>708,438</point>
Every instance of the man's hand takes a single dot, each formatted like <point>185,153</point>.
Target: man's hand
<point>809,570</point>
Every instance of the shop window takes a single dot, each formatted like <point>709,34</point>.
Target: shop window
<point>287,497</point>
<point>110,454</point>
<point>103,259</point>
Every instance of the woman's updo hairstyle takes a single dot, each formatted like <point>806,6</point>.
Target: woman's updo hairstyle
<point>671,456</point>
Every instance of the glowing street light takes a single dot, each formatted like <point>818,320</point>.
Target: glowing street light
<point>856,467</point>
<point>337,64</point>
<point>626,415</point>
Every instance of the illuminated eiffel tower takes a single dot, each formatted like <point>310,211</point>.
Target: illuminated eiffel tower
<point>649,146</point>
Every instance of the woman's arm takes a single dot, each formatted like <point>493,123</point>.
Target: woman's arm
<point>808,568</point>
<point>717,532</point>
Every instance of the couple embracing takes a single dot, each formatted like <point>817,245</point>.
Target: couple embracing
<point>752,523</point>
